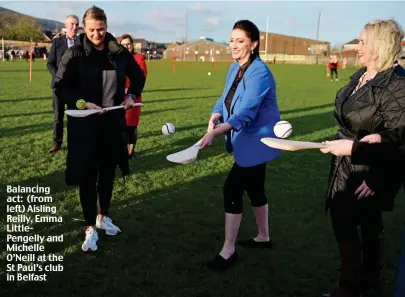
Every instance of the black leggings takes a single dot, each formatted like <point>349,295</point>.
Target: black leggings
<point>98,182</point>
<point>241,179</point>
<point>333,70</point>
<point>132,134</point>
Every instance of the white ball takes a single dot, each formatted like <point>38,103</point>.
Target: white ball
<point>283,129</point>
<point>168,129</point>
<point>209,73</point>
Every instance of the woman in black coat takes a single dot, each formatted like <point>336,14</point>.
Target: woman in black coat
<point>372,102</point>
<point>385,149</point>
<point>92,75</point>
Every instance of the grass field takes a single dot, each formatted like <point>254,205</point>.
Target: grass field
<point>171,215</point>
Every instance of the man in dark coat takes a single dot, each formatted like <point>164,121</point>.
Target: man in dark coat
<point>59,46</point>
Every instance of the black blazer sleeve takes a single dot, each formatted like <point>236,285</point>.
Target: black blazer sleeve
<point>386,161</point>
<point>135,75</point>
<point>378,154</point>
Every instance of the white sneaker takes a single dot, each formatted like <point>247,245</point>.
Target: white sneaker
<point>107,225</point>
<point>90,242</point>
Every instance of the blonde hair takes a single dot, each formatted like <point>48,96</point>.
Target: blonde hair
<point>386,36</point>
<point>94,13</point>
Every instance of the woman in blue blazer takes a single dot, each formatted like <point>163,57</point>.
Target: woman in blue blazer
<point>248,111</point>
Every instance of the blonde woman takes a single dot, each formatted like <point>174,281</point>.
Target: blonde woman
<point>372,102</point>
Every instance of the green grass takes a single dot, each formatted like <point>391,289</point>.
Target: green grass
<point>171,215</point>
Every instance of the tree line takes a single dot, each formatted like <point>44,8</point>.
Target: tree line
<point>20,27</point>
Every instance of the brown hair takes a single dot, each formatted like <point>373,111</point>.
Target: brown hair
<point>94,13</point>
<point>125,36</point>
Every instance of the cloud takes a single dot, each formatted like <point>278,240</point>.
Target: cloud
<point>166,16</point>
<point>211,23</point>
<point>201,8</point>
<point>214,21</point>
<point>142,30</point>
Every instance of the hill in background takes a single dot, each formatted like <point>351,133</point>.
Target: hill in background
<point>47,25</point>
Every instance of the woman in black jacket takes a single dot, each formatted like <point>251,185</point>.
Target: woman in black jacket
<point>372,102</point>
<point>385,149</point>
<point>92,75</point>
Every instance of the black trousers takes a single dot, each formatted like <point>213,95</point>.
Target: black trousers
<point>98,175</point>
<point>132,134</point>
<point>58,113</point>
<point>241,179</point>
<point>98,183</point>
<point>361,260</point>
<point>348,213</point>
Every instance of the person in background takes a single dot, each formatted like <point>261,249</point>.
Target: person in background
<point>132,115</point>
<point>58,48</point>
<point>344,64</point>
<point>333,66</point>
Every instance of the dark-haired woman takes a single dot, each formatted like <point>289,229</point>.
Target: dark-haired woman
<point>248,111</point>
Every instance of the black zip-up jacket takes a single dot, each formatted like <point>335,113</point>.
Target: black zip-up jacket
<point>97,138</point>
<point>79,74</point>
<point>376,107</point>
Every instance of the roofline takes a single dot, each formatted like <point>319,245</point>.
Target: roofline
<point>324,41</point>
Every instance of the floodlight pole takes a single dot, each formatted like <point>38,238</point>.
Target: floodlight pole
<point>317,37</point>
<point>186,24</point>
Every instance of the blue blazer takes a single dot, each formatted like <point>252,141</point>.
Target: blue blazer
<point>254,112</point>
<point>400,287</point>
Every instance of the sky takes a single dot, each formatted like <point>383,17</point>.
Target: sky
<point>165,21</point>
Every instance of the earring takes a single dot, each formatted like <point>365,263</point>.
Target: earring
<point>252,52</point>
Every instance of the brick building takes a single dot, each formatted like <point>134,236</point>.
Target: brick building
<point>291,45</point>
<point>351,45</point>
<point>201,50</point>
<point>206,49</point>
<point>143,46</point>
